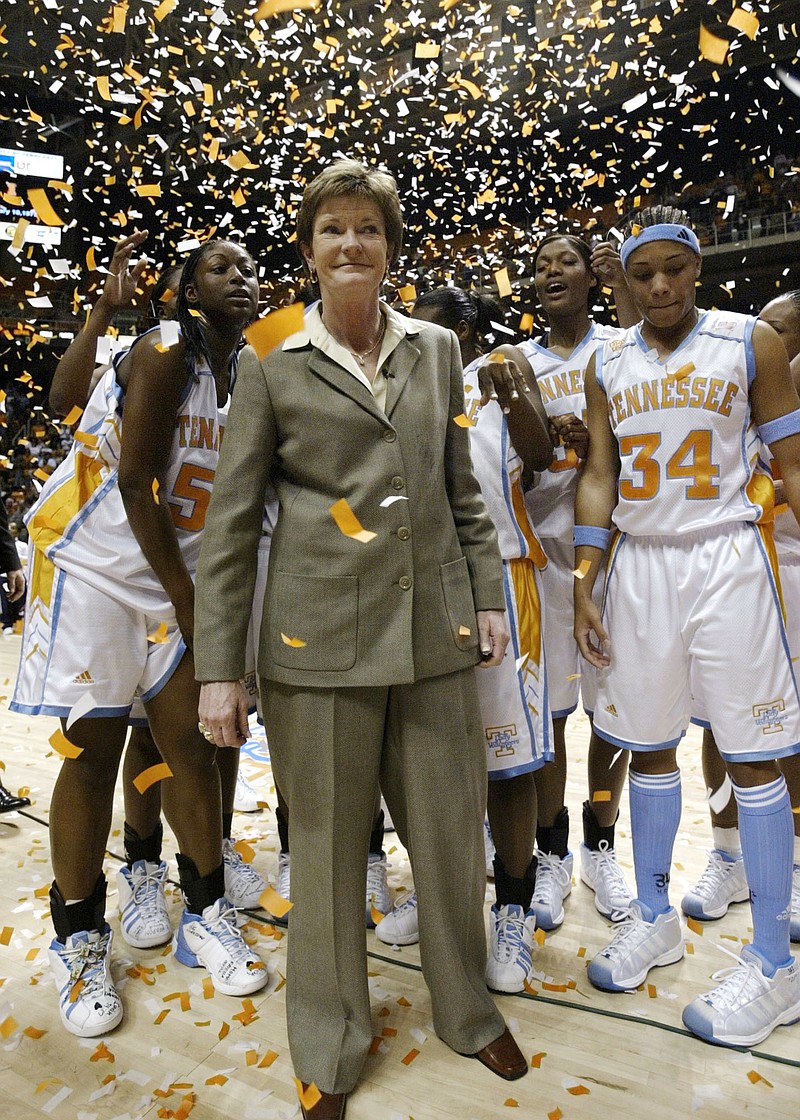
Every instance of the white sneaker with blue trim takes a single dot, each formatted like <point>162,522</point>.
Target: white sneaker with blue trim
<point>211,940</point>
<point>88,1002</point>
<point>747,1005</point>
<point>637,946</point>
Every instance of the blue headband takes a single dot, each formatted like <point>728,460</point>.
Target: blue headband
<point>664,232</point>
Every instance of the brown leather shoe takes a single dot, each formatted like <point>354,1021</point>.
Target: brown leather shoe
<point>331,1106</point>
<point>503,1057</point>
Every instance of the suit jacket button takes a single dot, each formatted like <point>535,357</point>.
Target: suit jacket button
<point>398,482</point>
<point>405,582</point>
<point>404,532</point>
<point>389,435</point>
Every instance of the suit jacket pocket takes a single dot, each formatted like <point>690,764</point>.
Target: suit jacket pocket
<point>459,603</point>
<point>312,622</point>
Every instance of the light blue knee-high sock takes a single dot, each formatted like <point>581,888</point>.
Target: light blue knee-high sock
<point>765,825</point>
<point>655,801</point>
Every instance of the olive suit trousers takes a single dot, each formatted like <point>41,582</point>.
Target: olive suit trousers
<point>330,750</point>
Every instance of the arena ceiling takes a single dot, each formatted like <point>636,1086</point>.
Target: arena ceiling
<point>187,117</point>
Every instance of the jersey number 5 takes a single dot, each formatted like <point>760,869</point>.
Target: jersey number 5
<point>189,487</point>
<point>691,461</point>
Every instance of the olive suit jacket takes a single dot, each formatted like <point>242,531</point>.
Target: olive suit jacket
<point>397,602</point>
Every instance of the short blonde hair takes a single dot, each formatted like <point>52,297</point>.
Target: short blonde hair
<point>349,177</point>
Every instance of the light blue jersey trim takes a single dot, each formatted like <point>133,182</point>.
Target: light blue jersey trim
<point>562,713</point>
<point>180,649</point>
<point>627,746</point>
<point>63,711</point>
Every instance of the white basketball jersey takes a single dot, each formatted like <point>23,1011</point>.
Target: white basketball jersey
<point>551,501</point>
<point>498,469</point>
<point>688,447</point>
<point>79,521</point>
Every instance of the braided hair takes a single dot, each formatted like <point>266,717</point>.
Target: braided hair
<point>656,216</point>
<point>456,305</point>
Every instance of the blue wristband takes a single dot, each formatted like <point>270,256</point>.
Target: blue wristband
<point>780,427</point>
<point>592,535</point>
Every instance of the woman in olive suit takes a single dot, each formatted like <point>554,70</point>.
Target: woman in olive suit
<point>376,612</point>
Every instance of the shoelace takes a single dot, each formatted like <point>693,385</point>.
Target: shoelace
<point>408,903</point>
<point>605,863</point>
<point>146,885</point>
<point>739,981</point>
<point>284,878</point>
<point>631,928</point>
<point>551,876</point>
<point>85,960</point>
<point>237,864</point>
<point>713,877</point>
<point>224,927</point>
<point>510,937</point>
<point>375,879</point>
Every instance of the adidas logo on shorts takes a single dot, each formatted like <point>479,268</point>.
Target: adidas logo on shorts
<point>610,708</point>
<point>83,678</point>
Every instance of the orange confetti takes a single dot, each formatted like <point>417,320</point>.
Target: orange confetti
<point>19,233</point>
<point>164,8</point>
<point>408,293</point>
<point>375,914</point>
<point>159,637</point>
<point>651,991</point>
<point>274,7</point>
<point>34,1032</point>
<point>536,1060</point>
<point>295,643</point>
<point>464,631</point>
<point>695,926</point>
<point>712,47</point>
<point>217,1079</point>
<point>410,1056</point>
<point>73,416</point>
<point>754,1077</point>
<point>76,990</point>
<point>348,523</point>
<point>684,371</point>
<point>268,333</point>
<point>154,488</point>
<point>38,199</point>
<point>553,987</point>
<point>8,1026</point>
<point>60,743</point>
<point>403,1002</point>
<point>582,569</point>
<point>151,775</point>
<point>556,1114</point>
<point>509,1102</point>
<point>578,1091</point>
<point>601,795</point>
<point>208,988</point>
<point>270,1057</point>
<point>744,21</point>
<point>90,259</point>
<point>526,322</point>
<point>102,1054</point>
<point>503,282</point>
<point>539,936</point>
<point>582,951</point>
<point>224,1031</point>
<point>464,421</point>
<point>274,903</point>
<point>308,1096</point>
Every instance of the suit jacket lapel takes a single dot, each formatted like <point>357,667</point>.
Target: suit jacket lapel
<point>398,369</point>
<point>343,381</point>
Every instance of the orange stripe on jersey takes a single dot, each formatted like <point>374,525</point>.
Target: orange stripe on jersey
<point>765,530</point>
<point>40,581</point>
<point>535,551</point>
<point>761,492</point>
<point>529,609</point>
<point>50,521</point>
